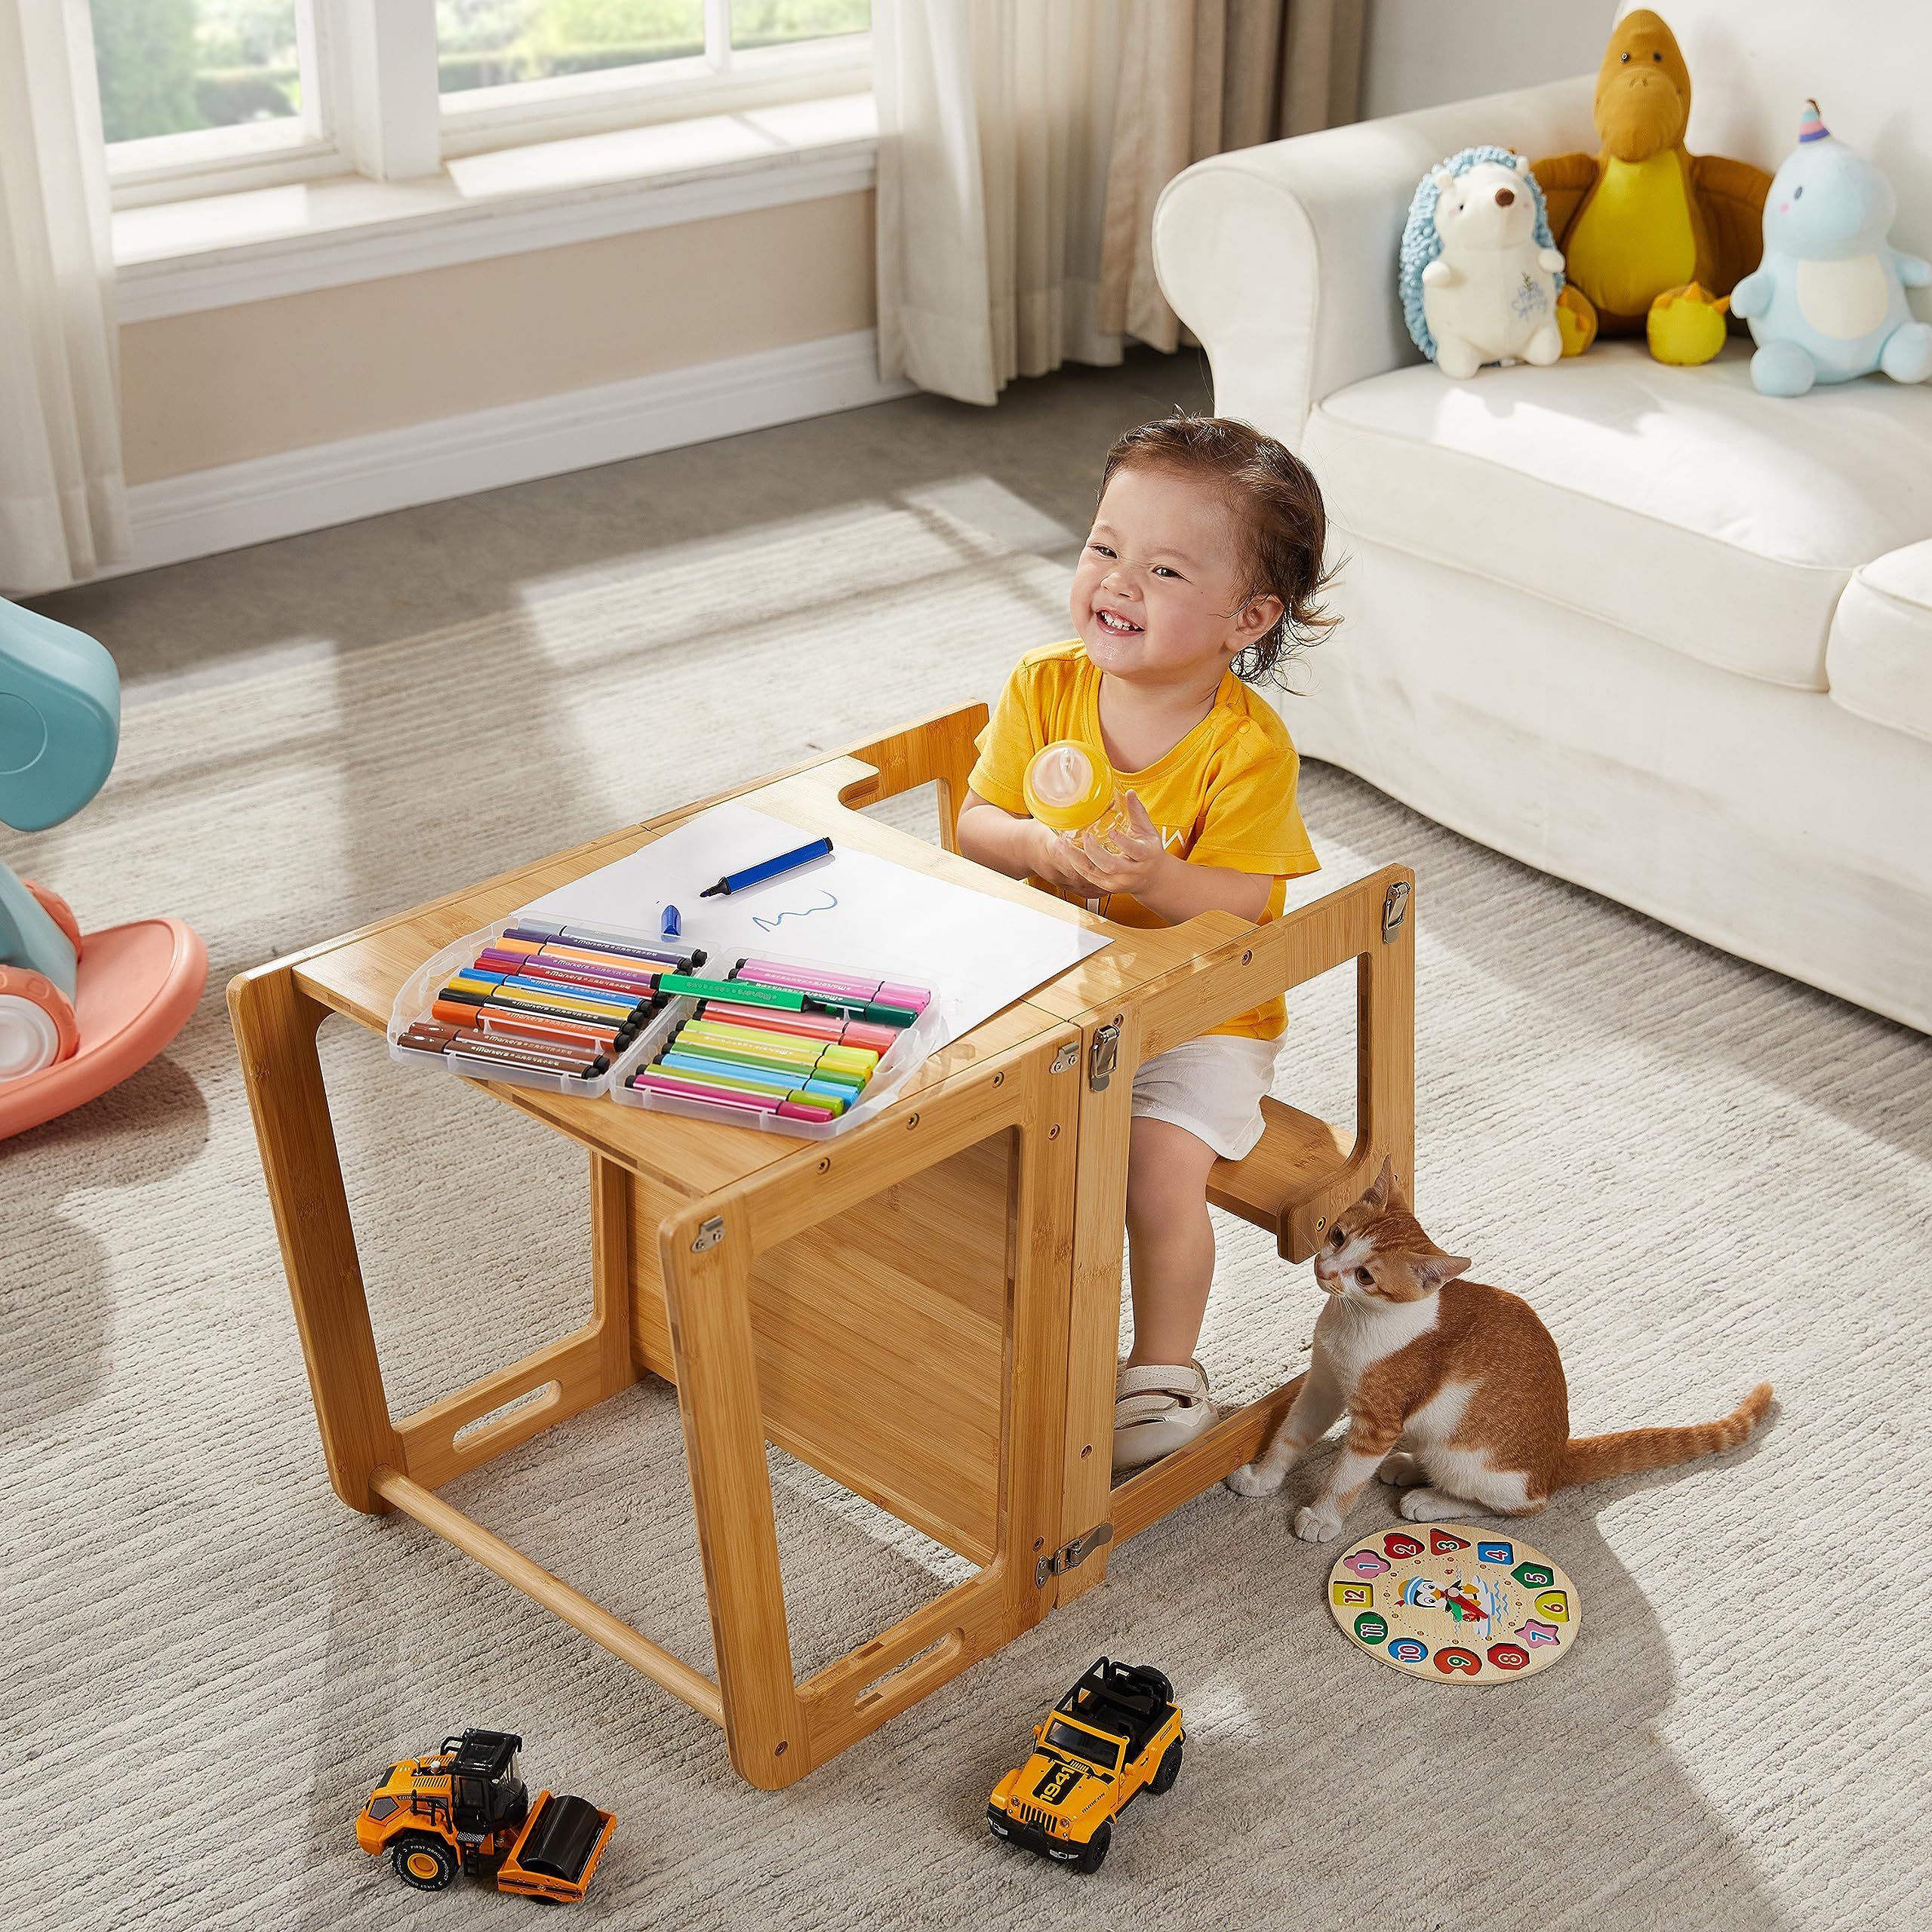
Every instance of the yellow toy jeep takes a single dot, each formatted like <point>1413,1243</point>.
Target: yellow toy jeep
<point>1114,1734</point>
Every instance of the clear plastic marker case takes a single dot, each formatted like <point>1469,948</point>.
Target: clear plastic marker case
<point>418,996</point>
<point>414,1002</point>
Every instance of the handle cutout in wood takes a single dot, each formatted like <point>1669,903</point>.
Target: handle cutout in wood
<point>935,1656</point>
<point>518,1409</point>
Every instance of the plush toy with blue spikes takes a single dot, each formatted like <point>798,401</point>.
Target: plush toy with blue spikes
<point>1828,302</point>
<point>1479,274</point>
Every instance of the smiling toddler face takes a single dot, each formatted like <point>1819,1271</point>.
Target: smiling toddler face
<point>1161,581</point>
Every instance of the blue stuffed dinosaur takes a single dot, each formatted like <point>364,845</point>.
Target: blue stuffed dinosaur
<point>1828,302</point>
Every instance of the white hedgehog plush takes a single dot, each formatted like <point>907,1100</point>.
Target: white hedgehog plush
<point>1489,292</point>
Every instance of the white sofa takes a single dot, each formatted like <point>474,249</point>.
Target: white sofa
<point>1637,626</point>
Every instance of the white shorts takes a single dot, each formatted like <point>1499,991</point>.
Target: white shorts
<point>1213,1087</point>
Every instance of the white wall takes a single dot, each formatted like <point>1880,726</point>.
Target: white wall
<point>1421,53</point>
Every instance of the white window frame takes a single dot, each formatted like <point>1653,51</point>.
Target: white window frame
<point>165,167</point>
<point>375,109</point>
<point>719,80</point>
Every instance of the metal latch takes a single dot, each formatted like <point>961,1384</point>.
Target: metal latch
<point>1394,909</point>
<point>1067,1058</point>
<point>1106,1051</point>
<point>710,1234</point>
<point>1070,1556</point>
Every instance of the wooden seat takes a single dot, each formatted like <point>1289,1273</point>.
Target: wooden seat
<point>1296,1156</point>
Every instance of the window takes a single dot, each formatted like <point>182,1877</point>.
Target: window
<point>189,85</point>
<point>1070,1737</point>
<point>501,43</point>
<point>784,23</point>
<point>524,70</point>
<point>198,95</point>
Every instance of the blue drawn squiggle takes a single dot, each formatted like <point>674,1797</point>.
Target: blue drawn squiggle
<point>797,912</point>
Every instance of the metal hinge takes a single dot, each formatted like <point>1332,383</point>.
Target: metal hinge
<point>1394,909</point>
<point>1106,1051</point>
<point>710,1234</point>
<point>1067,1058</point>
<point>1070,1556</point>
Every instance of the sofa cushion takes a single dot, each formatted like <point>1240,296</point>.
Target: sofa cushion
<point>1880,656</point>
<point>1678,503</point>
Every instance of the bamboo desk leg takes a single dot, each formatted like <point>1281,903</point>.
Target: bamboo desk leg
<point>276,1026</point>
<point>778,1730</point>
<point>276,1023</point>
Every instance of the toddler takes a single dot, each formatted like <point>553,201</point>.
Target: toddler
<point>1199,577</point>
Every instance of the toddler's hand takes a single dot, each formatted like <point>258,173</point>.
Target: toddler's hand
<point>1050,860</point>
<point>1133,858</point>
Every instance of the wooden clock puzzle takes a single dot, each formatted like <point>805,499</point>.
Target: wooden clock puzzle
<point>1453,1605</point>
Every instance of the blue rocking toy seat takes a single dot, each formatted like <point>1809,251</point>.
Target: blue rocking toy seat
<point>76,1013</point>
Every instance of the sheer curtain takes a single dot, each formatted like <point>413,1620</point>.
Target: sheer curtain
<point>1023,144</point>
<point>63,504</point>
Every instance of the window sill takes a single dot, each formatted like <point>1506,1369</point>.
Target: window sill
<point>178,258</point>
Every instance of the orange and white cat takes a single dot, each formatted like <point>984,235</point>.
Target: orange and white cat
<point>1454,1391</point>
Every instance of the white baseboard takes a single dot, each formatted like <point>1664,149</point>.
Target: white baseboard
<point>255,501</point>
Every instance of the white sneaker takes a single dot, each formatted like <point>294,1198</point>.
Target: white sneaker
<point>1157,1410</point>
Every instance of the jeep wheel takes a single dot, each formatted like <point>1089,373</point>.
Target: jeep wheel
<point>1162,1782</point>
<point>1094,1854</point>
<point>1155,1680</point>
<point>425,1862</point>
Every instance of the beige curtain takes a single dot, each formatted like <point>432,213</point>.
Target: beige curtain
<point>64,504</point>
<point>996,122</point>
<point>1023,144</point>
<point>1201,77</point>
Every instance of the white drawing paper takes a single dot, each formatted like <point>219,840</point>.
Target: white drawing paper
<point>850,911</point>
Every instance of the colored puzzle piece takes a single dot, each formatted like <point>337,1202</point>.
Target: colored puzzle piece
<point>1401,1548</point>
<point>1364,1563</point>
<point>1554,1604</point>
<point>1441,1543</point>
<point>1533,1576</point>
<point>1370,1628</point>
<point>1533,1633</point>
<point>1347,1595</point>
<point>1408,1650</point>
<point>1503,1553</point>
<point>1508,1656</point>
<point>1453,1657</point>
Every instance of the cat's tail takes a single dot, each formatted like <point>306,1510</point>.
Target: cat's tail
<point>1591,1458</point>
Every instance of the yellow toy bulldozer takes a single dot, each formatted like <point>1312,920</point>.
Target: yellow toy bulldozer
<point>466,1805</point>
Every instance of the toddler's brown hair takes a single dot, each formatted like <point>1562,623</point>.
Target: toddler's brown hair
<point>1279,502</point>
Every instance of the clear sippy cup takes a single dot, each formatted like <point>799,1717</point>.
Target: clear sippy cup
<point>1070,787</point>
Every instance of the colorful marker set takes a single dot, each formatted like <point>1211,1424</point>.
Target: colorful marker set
<point>536,1006</point>
<point>775,1044</point>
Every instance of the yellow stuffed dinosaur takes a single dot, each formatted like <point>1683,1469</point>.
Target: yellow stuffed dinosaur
<point>1644,217</point>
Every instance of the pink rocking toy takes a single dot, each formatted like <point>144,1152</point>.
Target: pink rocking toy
<point>78,1012</point>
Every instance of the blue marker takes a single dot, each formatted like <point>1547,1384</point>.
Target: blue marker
<point>671,923</point>
<point>757,874</point>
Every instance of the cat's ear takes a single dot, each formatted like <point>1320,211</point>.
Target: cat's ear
<point>1376,1199</point>
<point>1436,1268</point>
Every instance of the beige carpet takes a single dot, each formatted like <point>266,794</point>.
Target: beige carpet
<point>1701,1173</point>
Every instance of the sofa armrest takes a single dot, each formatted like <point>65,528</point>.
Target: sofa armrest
<point>1282,259</point>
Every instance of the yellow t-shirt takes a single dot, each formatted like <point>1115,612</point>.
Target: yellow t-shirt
<point>1225,795</point>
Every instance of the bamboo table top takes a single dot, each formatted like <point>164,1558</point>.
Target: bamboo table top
<point>359,974</point>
